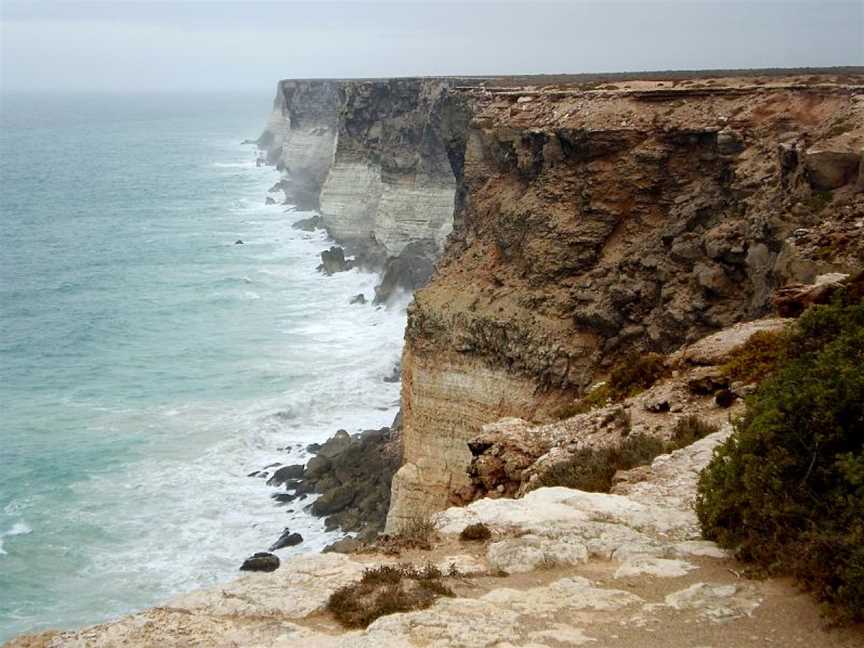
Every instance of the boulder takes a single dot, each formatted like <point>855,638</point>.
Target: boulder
<point>794,299</point>
<point>827,169</point>
<point>287,539</point>
<point>359,298</point>
<point>345,545</point>
<point>262,562</point>
<point>309,224</point>
<point>282,475</point>
<point>333,261</point>
<point>409,271</point>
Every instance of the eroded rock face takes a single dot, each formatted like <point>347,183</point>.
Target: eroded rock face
<point>381,161</point>
<point>594,224</point>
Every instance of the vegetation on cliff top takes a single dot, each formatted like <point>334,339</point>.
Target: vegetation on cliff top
<point>786,491</point>
<point>634,374</point>
<point>386,590</point>
<point>593,469</point>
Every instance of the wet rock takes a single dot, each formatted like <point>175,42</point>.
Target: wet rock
<point>282,475</point>
<point>359,298</point>
<point>333,261</point>
<point>309,224</point>
<point>287,539</point>
<point>238,242</point>
<point>283,498</point>
<point>334,500</point>
<point>269,201</point>
<point>395,376</point>
<point>409,271</point>
<point>317,467</point>
<point>262,562</point>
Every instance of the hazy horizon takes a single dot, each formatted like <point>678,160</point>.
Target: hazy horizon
<point>128,46</point>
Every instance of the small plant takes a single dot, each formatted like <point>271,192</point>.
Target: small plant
<point>386,590</point>
<point>635,374</point>
<point>688,430</point>
<point>478,532</point>
<point>592,469</point>
<point>754,360</point>
<point>629,377</point>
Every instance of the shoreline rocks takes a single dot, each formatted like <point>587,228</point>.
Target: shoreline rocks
<point>261,562</point>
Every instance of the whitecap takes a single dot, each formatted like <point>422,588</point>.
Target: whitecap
<point>19,528</point>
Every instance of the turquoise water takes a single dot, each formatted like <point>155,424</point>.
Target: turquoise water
<point>148,364</point>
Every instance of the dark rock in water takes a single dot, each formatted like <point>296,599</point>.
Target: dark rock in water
<point>287,539</point>
<point>309,224</point>
<point>248,141</point>
<point>313,448</point>
<point>317,467</point>
<point>333,261</point>
<point>272,465</point>
<point>336,444</point>
<point>358,299</point>
<point>352,474</point>
<point>254,473</point>
<point>238,242</point>
<point>269,201</point>
<point>261,561</point>
<point>285,473</point>
<point>410,270</point>
<point>396,374</point>
<point>283,498</point>
<point>345,546</point>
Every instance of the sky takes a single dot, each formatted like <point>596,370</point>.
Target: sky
<point>212,45</point>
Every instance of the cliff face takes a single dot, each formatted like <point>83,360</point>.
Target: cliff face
<point>622,219</point>
<point>379,159</point>
<point>587,220</point>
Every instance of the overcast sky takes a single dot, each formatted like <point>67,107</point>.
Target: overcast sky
<point>124,45</point>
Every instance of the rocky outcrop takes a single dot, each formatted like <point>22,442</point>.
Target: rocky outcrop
<point>562,568</point>
<point>595,223</point>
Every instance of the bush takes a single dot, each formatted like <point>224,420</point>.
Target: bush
<point>786,491</point>
<point>635,374</point>
<point>688,430</point>
<point>592,469</point>
<point>475,533</point>
<point>757,357</point>
<point>627,378</point>
<point>386,590</point>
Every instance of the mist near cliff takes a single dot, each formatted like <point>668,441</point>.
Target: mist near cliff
<point>122,46</point>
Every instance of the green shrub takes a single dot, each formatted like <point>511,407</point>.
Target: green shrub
<point>592,469</point>
<point>386,590</point>
<point>786,491</point>
<point>757,357</point>
<point>634,374</point>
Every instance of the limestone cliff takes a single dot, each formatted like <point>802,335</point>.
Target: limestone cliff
<point>599,221</point>
<point>379,159</point>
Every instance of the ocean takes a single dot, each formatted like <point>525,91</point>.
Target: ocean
<point>148,363</point>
